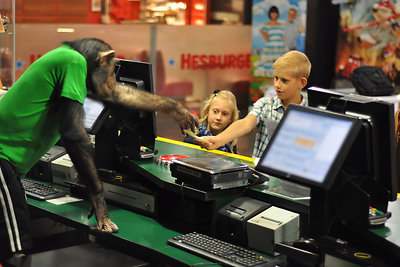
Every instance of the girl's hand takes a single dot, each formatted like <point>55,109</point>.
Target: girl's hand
<point>208,142</point>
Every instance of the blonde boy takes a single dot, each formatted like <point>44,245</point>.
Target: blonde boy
<point>291,72</point>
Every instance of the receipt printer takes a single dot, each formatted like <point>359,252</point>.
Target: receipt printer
<point>42,169</point>
<point>272,226</point>
<point>63,170</point>
<point>233,217</point>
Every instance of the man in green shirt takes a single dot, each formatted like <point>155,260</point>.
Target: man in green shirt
<point>46,104</point>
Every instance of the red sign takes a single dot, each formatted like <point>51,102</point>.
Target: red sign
<point>228,61</point>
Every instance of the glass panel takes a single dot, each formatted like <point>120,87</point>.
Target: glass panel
<point>211,57</point>
<point>6,41</point>
<point>194,61</point>
<point>129,41</point>
<point>201,59</point>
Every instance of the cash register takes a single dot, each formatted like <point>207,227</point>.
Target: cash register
<point>319,148</point>
<point>210,172</point>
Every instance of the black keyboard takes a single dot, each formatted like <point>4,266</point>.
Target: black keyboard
<point>219,251</point>
<point>41,191</point>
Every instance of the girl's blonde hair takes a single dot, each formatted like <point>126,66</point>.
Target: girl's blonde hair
<point>219,94</point>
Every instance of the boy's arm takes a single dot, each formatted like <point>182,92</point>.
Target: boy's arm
<point>235,130</point>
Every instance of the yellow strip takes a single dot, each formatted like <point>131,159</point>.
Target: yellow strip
<point>362,255</point>
<point>199,148</point>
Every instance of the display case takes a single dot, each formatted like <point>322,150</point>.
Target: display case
<point>236,12</point>
<point>162,11</point>
<point>7,41</point>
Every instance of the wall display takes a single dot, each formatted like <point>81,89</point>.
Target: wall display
<point>96,5</point>
<point>172,12</point>
<point>369,34</point>
<point>7,43</point>
<point>3,23</point>
<point>277,27</point>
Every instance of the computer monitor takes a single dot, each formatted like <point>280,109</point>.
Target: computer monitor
<point>374,154</point>
<point>126,130</point>
<point>137,73</point>
<point>143,122</point>
<point>95,115</point>
<point>309,145</point>
<point>319,97</point>
<point>315,147</point>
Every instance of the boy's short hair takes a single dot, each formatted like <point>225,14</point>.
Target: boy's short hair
<point>295,62</point>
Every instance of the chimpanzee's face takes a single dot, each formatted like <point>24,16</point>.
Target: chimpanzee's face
<point>103,77</point>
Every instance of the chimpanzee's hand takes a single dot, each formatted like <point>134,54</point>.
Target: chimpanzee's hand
<point>104,223</point>
<point>184,118</point>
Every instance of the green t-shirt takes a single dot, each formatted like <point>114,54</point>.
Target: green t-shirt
<point>28,117</point>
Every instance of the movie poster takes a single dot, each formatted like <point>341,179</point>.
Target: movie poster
<point>369,34</point>
<point>277,27</point>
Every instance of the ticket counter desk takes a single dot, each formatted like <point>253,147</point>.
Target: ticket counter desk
<point>180,209</point>
<point>184,209</point>
<point>195,199</point>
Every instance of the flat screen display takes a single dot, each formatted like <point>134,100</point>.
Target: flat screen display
<point>94,110</point>
<point>377,157</point>
<point>309,146</point>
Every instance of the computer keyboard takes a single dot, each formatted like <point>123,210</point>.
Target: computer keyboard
<point>41,191</point>
<point>219,251</point>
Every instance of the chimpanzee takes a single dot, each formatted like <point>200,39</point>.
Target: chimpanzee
<point>46,104</point>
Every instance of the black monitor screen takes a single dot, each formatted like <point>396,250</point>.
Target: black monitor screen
<point>380,161</point>
<point>308,146</point>
<point>138,75</point>
<point>127,129</point>
<point>94,115</point>
<point>135,73</point>
<point>319,97</point>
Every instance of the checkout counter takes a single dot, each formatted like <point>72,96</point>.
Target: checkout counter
<point>180,209</point>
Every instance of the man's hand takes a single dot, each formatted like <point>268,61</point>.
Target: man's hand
<point>184,118</point>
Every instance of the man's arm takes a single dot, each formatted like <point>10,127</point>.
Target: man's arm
<point>79,148</point>
<point>235,130</point>
<point>133,98</point>
<point>301,27</point>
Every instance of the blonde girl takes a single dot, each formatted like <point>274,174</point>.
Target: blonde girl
<point>217,113</point>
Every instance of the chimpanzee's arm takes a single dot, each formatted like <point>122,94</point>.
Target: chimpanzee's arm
<point>133,98</point>
<point>79,148</point>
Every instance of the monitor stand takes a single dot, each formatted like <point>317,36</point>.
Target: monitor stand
<point>288,190</point>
